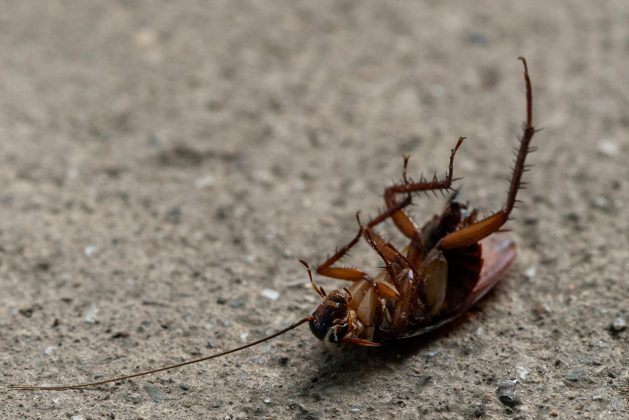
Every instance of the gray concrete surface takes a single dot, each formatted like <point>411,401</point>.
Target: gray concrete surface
<point>162,163</point>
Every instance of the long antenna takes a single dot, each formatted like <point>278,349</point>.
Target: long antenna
<point>148,372</point>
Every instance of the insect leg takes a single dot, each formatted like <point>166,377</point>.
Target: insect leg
<point>389,254</point>
<point>401,219</point>
<point>328,269</point>
<point>379,245</point>
<point>485,227</point>
<point>359,342</point>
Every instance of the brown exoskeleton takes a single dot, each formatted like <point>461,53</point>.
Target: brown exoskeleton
<point>449,264</point>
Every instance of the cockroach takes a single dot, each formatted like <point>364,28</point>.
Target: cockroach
<point>450,263</point>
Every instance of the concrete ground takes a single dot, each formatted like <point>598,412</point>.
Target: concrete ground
<point>163,163</point>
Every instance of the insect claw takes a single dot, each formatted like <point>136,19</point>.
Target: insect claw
<point>405,168</point>
<point>362,228</point>
<point>454,194</point>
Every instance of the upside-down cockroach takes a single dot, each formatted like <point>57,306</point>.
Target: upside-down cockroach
<point>451,262</point>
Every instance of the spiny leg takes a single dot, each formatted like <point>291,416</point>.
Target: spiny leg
<point>402,220</point>
<point>394,210</point>
<point>485,227</point>
<point>328,269</point>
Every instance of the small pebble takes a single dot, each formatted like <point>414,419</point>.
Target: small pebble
<point>209,344</point>
<point>206,181</point>
<point>619,324</point>
<point>270,294</point>
<point>530,272</point>
<point>184,387</point>
<point>27,313</point>
<point>608,148</point>
<point>522,372</point>
<point>243,336</point>
<point>78,418</point>
<point>601,202</point>
<point>90,250</point>
<point>431,353</point>
<point>506,392</point>
<point>90,315</point>
<point>267,400</point>
<point>596,398</point>
<point>49,350</point>
<point>540,309</point>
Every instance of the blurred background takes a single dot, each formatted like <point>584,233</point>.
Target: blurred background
<point>164,164</point>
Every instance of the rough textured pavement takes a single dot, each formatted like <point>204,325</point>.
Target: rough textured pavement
<point>162,163</point>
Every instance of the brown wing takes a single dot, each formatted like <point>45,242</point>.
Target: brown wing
<point>498,254</point>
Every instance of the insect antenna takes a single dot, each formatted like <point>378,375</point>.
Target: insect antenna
<point>169,367</point>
